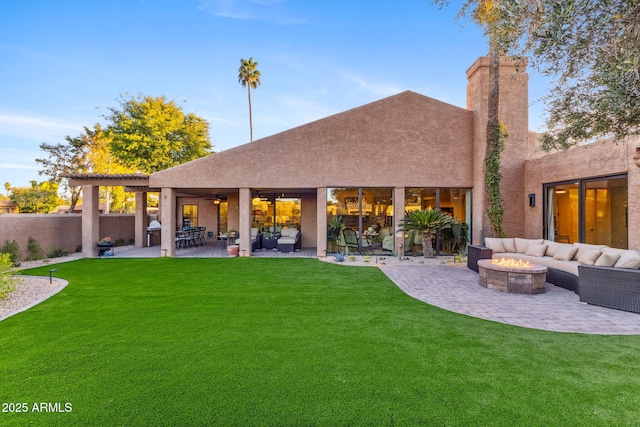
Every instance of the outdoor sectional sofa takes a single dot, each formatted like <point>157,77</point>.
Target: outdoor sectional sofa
<point>601,275</point>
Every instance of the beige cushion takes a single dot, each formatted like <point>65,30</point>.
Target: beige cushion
<point>551,247</point>
<point>613,251</point>
<point>509,244</point>
<point>289,232</point>
<point>607,259</point>
<point>523,244</point>
<point>494,244</point>
<point>565,253</point>
<point>588,256</point>
<point>566,266</point>
<point>628,259</point>
<point>536,250</point>
<point>589,246</point>
<point>582,247</point>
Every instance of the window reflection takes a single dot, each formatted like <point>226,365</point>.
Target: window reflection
<point>603,203</point>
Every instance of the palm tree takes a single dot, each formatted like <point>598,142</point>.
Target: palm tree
<point>7,187</point>
<point>249,76</point>
<point>427,222</point>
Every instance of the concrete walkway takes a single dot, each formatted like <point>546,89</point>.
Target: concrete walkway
<point>456,288</point>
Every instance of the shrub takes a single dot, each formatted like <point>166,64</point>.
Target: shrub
<point>13,250</point>
<point>8,283</point>
<point>79,248</point>
<point>120,242</point>
<point>56,252</point>
<point>35,251</point>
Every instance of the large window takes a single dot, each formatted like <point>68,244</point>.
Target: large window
<point>588,210</point>
<point>270,213</point>
<point>455,202</point>
<point>367,216</point>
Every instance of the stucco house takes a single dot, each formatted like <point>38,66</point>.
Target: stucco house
<point>370,165</point>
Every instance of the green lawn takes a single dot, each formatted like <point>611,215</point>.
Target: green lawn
<point>293,342</point>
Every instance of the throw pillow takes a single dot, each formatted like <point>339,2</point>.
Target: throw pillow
<point>584,247</point>
<point>552,247</point>
<point>607,259</point>
<point>565,253</point>
<point>629,259</point>
<point>523,244</point>
<point>494,244</point>
<point>588,256</point>
<point>509,245</point>
<point>536,250</point>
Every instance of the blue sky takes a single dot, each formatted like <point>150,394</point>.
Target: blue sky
<point>63,63</point>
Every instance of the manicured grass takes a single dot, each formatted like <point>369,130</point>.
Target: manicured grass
<point>293,342</point>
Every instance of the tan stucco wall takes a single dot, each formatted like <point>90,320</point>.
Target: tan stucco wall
<point>62,230</point>
<point>308,219</point>
<point>407,139</point>
<point>514,114</point>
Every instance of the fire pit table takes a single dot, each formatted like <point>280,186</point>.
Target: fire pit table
<point>512,276</point>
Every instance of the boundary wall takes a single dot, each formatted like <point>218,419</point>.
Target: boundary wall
<point>63,230</point>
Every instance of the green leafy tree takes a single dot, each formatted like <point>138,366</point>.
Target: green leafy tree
<point>151,134</point>
<point>500,32</point>
<point>39,198</point>
<point>103,161</point>
<point>427,222</point>
<point>72,157</point>
<point>249,77</point>
<point>591,49</point>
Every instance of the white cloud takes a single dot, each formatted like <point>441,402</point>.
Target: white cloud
<point>9,165</point>
<point>273,11</point>
<point>35,127</point>
<point>377,89</point>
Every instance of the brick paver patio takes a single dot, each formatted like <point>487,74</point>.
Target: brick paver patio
<point>456,288</point>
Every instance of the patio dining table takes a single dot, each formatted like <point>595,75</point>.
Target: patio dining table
<point>193,236</point>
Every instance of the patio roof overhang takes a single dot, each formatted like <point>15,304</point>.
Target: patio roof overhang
<point>135,181</point>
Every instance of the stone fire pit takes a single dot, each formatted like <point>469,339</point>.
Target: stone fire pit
<point>507,275</point>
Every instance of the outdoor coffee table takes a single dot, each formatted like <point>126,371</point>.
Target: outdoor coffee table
<point>507,277</point>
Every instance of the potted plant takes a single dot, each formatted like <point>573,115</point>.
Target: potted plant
<point>232,248</point>
<point>106,242</point>
<point>426,222</point>
<point>333,231</point>
<point>105,246</point>
<point>335,225</point>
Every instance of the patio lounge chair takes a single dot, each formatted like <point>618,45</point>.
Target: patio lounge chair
<point>289,240</point>
<point>256,239</point>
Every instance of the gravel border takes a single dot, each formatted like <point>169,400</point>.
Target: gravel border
<point>32,291</point>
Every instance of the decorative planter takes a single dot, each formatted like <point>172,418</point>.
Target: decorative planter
<point>232,250</point>
<point>106,249</point>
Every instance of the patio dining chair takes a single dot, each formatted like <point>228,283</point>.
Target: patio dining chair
<point>349,239</point>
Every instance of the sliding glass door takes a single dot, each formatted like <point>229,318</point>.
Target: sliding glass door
<point>589,210</point>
